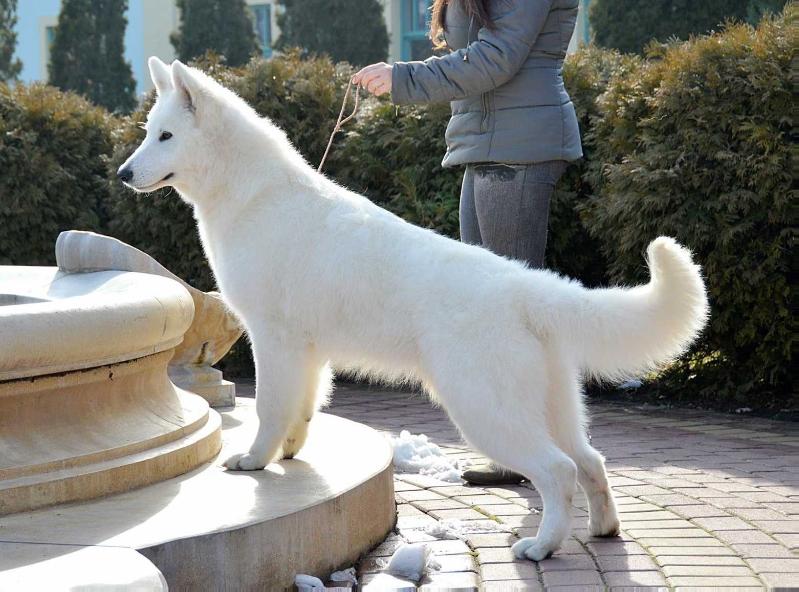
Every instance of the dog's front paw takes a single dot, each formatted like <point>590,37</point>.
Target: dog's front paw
<point>244,462</point>
<point>530,548</point>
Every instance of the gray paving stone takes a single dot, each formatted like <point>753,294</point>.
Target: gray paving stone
<point>518,570</point>
<point>707,570</point>
<point>781,565</point>
<point>664,560</point>
<point>572,578</point>
<point>507,586</point>
<point>699,493</point>
<point>774,551</point>
<point>626,563</point>
<point>714,582</point>
<point>567,563</point>
<point>634,578</point>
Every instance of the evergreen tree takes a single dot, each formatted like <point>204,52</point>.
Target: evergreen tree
<point>9,67</point>
<point>87,55</point>
<point>222,26</point>
<point>628,25</point>
<point>347,30</point>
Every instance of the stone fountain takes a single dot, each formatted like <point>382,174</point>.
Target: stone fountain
<point>108,443</point>
<point>210,336</point>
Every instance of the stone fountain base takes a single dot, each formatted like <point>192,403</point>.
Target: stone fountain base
<point>86,405</point>
<point>89,433</point>
<point>213,530</point>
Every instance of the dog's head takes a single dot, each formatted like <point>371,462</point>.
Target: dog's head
<point>178,126</point>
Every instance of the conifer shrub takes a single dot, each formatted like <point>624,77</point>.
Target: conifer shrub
<point>87,55</point>
<point>54,150</point>
<point>696,144</point>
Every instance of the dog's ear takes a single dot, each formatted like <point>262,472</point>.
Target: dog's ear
<point>186,83</point>
<point>160,75</point>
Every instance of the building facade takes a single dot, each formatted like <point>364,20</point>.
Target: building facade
<point>150,22</point>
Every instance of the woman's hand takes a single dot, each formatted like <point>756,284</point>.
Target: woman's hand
<point>375,78</point>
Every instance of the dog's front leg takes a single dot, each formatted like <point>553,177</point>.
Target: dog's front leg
<point>280,387</point>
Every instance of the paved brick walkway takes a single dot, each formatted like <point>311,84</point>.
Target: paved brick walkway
<point>707,501</point>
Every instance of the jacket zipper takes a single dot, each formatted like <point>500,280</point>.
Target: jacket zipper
<point>484,100</point>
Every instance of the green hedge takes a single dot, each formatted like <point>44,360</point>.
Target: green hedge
<point>629,25</point>
<point>54,148</point>
<point>695,143</point>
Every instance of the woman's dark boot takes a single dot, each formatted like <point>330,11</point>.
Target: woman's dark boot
<point>491,474</point>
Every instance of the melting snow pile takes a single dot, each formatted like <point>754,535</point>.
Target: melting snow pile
<point>306,583</point>
<point>414,453</point>
<point>458,529</point>
<point>412,561</point>
<point>345,575</point>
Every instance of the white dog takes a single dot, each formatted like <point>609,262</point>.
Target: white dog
<point>322,277</point>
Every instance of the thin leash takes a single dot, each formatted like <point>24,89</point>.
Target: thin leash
<point>341,120</point>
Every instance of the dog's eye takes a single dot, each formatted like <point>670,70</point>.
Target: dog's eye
<point>164,136</point>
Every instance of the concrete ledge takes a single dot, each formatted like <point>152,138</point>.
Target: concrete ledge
<point>213,529</point>
<point>53,322</point>
<point>27,566</point>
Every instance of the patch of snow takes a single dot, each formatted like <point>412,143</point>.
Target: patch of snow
<point>630,385</point>
<point>345,575</point>
<point>459,529</point>
<point>412,562</point>
<point>415,453</point>
<point>305,582</point>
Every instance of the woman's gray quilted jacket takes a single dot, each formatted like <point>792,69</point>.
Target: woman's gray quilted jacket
<point>509,104</point>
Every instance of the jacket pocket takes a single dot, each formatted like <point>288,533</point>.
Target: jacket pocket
<point>485,111</point>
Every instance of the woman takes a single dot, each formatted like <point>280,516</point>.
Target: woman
<point>513,124</point>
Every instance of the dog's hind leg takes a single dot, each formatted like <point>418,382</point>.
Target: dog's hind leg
<point>568,425</point>
<point>320,384</point>
<point>499,408</point>
<point>281,384</point>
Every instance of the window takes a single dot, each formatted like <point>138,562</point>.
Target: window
<point>263,26</point>
<point>49,37</point>
<point>415,24</point>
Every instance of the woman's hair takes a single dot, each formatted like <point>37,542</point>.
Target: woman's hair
<point>475,9</point>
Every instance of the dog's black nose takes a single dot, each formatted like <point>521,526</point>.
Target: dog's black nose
<point>125,175</point>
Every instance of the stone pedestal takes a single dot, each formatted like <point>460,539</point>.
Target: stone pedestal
<point>86,406</point>
<point>204,381</point>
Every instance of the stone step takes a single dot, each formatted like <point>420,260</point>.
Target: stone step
<point>56,568</point>
<point>214,529</point>
<point>100,431</point>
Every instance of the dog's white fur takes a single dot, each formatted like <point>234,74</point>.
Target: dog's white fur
<point>322,277</point>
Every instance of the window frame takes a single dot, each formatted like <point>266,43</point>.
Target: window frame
<point>413,30</point>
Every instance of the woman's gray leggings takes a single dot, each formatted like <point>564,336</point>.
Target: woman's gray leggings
<point>505,208</point>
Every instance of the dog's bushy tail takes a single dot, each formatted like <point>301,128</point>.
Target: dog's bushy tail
<point>622,332</point>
